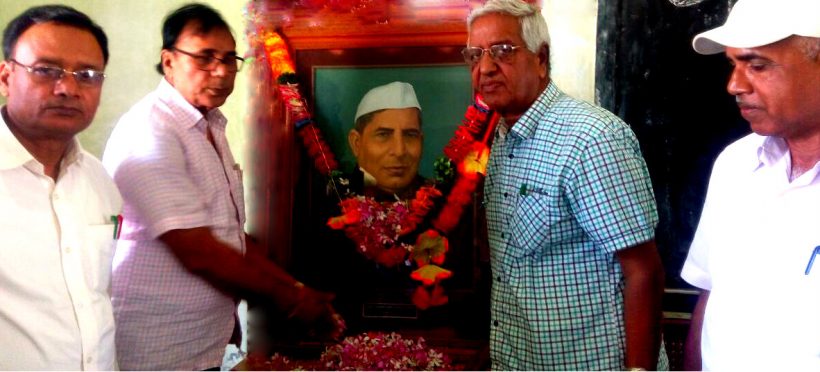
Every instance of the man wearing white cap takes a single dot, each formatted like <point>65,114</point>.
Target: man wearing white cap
<point>386,139</point>
<point>760,228</point>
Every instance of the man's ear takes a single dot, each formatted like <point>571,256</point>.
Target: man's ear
<point>353,139</point>
<point>5,72</point>
<point>167,62</point>
<point>544,59</point>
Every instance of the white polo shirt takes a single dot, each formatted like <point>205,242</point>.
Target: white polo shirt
<point>756,235</point>
<point>56,246</point>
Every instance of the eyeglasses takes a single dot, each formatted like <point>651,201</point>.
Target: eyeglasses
<point>53,74</point>
<point>499,53</point>
<point>207,62</point>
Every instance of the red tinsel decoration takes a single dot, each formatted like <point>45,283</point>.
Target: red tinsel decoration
<point>317,148</point>
<point>311,136</point>
<point>474,125</point>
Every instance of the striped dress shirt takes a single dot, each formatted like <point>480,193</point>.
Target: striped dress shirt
<point>171,177</point>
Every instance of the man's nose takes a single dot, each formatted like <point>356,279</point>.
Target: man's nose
<point>221,70</point>
<point>486,63</point>
<point>398,147</point>
<point>66,86</point>
<point>738,82</point>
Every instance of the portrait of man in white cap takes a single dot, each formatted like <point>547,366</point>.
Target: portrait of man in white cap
<point>387,139</point>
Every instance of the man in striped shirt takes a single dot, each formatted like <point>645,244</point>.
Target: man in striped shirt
<point>183,260</point>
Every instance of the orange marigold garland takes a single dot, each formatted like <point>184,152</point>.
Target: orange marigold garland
<point>377,228</point>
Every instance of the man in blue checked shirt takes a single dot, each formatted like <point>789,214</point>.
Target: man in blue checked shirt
<point>571,214</point>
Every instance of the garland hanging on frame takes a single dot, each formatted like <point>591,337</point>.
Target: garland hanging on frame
<point>380,228</point>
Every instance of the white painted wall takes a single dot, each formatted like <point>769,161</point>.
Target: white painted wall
<point>573,25</point>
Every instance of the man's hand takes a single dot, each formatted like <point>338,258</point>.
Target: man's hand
<point>314,309</point>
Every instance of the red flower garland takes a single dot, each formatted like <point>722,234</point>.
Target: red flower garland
<point>376,227</point>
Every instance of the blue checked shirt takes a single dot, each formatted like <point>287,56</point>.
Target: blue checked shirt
<point>567,187</point>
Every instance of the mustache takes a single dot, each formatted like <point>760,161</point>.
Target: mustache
<point>744,105</point>
<point>62,106</point>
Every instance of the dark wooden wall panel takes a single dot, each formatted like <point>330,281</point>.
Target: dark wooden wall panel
<point>676,102</point>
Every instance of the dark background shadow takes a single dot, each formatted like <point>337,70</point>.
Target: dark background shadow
<point>676,102</point>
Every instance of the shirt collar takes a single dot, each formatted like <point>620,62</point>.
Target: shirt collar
<point>188,116</point>
<point>774,152</point>
<point>13,154</point>
<point>369,180</point>
<point>527,123</point>
<point>770,152</point>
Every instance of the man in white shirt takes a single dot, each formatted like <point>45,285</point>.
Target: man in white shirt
<point>59,207</point>
<point>181,263</point>
<point>760,227</point>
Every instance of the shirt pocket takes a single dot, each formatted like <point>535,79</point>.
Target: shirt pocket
<point>98,255</point>
<point>532,222</point>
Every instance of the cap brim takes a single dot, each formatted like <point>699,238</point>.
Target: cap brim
<point>704,44</point>
<point>716,40</point>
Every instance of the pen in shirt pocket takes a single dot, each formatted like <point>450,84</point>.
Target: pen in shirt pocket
<point>811,259</point>
<point>117,221</point>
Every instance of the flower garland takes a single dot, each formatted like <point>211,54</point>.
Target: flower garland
<point>374,351</point>
<point>378,227</point>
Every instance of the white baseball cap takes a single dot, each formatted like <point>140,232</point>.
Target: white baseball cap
<point>396,95</point>
<point>755,23</point>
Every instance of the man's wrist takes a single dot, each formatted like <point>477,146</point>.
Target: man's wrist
<point>299,289</point>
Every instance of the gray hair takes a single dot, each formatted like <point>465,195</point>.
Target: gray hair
<point>810,46</point>
<point>533,25</point>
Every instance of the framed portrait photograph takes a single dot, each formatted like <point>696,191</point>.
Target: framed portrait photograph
<point>443,91</point>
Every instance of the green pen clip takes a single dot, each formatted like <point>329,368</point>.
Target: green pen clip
<point>523,189</point>
<point>117,221</point>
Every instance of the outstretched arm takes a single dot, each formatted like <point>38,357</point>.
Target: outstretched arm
<point>248,276</point>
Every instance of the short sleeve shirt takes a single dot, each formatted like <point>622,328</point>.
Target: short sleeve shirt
<point>171,177</point>
<point>567,187</point>
<point>756,235</point>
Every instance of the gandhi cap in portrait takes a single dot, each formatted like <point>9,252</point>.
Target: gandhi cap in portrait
<point>755,23</point>
<point>396,95</point>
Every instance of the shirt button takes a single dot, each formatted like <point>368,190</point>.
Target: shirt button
<point>68,250</point>
<point>502,235</point>
<point>506,195</point>
<point>498,278</point>
<point>495,323</point>
<point>511,156</point>
<point>89,360</point>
